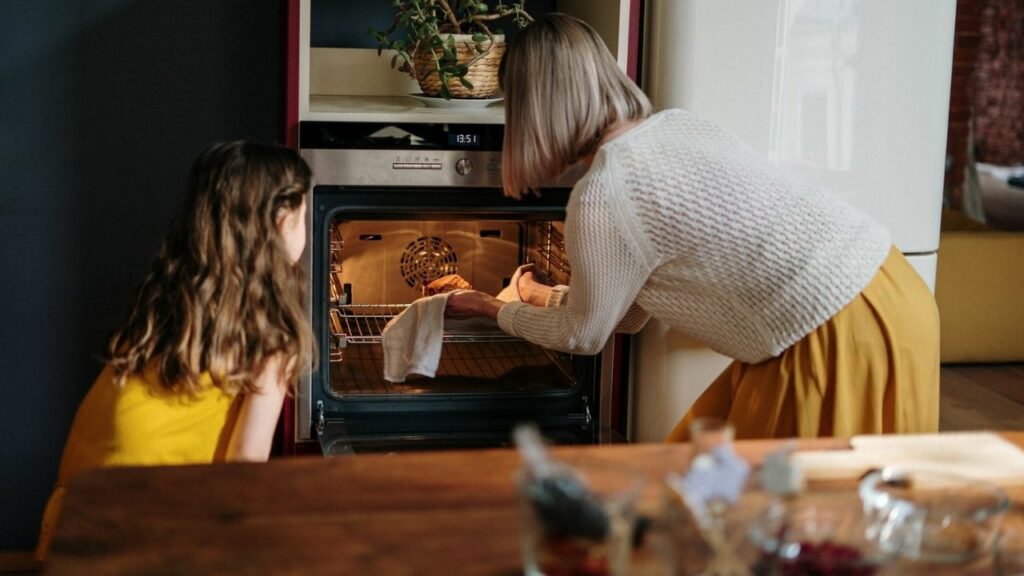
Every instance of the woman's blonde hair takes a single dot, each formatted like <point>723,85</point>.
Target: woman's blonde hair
<point>563,90</point>
<point>223,295</point>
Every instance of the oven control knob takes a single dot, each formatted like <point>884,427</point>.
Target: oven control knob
<point>464,166</point>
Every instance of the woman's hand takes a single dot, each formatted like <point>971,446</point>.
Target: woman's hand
<point>472,303</point>
<point>534,287</point>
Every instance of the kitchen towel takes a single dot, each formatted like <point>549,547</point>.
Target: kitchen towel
<point>510,293</point>
<point>412,340</point>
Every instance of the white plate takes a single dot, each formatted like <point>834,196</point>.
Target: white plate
<point>457,103</point>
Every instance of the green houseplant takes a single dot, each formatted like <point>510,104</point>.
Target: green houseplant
<point>448,46</point>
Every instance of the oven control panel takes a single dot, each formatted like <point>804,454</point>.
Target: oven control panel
<point>416,165</point>
<point>396,168</point>
<point>464,166</point>
<point>406,154</point>
<point>403,154</point>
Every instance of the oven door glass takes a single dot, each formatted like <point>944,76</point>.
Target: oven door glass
<point>377,267</point>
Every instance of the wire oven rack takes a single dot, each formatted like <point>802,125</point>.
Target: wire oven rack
<point>363,324</point>
<point>550,253</point>
<point>476,358</point>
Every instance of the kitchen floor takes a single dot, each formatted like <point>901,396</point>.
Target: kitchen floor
<point>982,396</point>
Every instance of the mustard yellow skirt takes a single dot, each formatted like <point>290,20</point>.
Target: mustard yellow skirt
<point>872,368</point>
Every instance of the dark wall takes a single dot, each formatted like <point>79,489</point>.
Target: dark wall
<point>103,105</point>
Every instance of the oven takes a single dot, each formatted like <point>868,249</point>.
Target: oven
<point>395,206</point>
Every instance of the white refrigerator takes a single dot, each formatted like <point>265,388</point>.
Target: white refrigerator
<point>849,94</point>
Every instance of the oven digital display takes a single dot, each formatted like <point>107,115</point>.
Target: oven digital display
<point>464,139</point>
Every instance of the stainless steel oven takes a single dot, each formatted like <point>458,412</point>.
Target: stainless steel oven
<point>396,206</point>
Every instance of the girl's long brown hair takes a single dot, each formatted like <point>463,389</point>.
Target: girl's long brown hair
<point>223,296</point>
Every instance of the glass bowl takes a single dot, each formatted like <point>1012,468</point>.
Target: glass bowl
<point>941,517</point>
<point>819,533</point>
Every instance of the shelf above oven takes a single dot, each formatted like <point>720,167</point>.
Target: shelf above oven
<point>364,323</point>
<point>342,108</point>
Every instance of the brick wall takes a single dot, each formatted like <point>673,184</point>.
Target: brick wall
<point>999,83</point>
<point>965,55</point>
<point>988,77</point>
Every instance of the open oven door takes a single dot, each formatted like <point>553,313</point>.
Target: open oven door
<point>374,250</point>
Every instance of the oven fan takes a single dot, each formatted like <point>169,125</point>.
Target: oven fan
<point>426,259</point>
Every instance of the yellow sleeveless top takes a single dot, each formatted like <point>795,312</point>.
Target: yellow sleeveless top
<point>141,424</point>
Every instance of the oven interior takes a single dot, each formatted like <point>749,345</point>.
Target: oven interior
<point>375,262</point>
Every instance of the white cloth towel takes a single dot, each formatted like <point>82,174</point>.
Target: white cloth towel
<point>412,340</point>
<point>510,293</point>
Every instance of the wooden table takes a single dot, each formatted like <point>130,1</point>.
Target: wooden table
<point>414,513</point>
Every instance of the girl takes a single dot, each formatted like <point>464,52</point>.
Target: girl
<point>199,370</point>
<point>832,331</point>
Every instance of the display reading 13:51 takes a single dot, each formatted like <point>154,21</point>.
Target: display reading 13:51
<point>463,139</point>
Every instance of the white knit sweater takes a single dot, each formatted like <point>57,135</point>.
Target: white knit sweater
<point>679,220</point>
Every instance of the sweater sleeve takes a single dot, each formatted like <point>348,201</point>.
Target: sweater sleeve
<point>634,320</point>
<point>609,268</point>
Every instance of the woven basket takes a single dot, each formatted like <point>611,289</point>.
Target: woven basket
<point>483,74</point>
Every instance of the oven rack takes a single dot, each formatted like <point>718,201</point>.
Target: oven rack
<point>364,323</point>
<point>550,253</point>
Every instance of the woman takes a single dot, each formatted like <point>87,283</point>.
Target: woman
<point>198,371</point>
<point>832,331</point>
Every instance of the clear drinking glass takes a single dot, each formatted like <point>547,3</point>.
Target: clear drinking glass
<point>934,516</point>
<point>718,549</point>
<point>818,533</point>
<point>580,522</point>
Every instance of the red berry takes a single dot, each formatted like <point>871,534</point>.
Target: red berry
<point>826,558</point>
